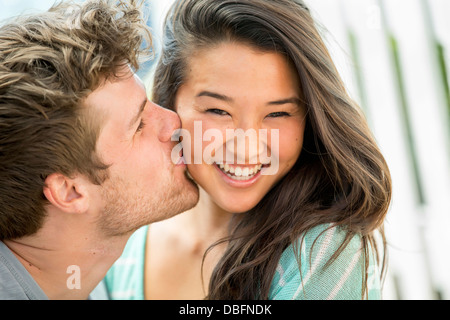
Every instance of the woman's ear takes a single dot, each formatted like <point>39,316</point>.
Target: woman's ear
<point>67,194</point>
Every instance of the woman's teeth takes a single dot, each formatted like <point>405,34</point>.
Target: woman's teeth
<point>240,173</point>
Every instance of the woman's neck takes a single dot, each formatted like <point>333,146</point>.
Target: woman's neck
<point>207,222</point>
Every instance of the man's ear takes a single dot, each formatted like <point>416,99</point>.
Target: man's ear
<point>67,194</point>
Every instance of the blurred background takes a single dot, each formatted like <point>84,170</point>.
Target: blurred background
<point>394,56</point>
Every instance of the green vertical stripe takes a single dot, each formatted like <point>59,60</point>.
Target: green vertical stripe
<point>444,75</point>
<point>404,108</point>
<point>358,72</point>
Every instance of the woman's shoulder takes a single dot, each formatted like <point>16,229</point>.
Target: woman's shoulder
<point>310,268</point>
<point>125,279</point>
<point>321,241</point>
<point>324,240</point>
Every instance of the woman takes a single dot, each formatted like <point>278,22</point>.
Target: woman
<point>305,231</point>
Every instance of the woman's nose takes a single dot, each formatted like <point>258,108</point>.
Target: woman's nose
<point>246,143</point>
<point>247,123</point>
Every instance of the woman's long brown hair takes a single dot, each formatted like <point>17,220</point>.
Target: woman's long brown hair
<point>340,178</point>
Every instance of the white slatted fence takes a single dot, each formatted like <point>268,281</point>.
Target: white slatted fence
<point>398,48</point>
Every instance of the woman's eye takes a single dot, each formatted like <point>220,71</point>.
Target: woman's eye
<point>218,112</point>
<point>278,115</point>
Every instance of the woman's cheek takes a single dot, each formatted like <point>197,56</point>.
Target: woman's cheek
<point>290,145</point>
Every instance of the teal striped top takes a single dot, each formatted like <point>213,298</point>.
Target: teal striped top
<point>309,280</point>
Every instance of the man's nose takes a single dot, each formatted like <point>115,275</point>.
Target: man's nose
<point>168,123</point>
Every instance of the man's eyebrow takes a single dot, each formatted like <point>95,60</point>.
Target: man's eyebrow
<point>136,117</point>
<point>292,100</point>
<point>215,96</point>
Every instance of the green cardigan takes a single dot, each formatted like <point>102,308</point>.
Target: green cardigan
<point>342,279</point>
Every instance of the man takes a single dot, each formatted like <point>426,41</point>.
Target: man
<point>85,156</point>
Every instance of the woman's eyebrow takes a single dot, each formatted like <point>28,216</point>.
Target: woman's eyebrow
<point>215,96</point>
<point>292,100</point>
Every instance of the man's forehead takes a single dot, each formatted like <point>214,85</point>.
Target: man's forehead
<point>125,86</point>
<point>114,105</point>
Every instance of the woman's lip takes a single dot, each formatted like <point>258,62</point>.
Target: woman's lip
<point>238,183</point>
<point>242,166</point>
<point>234,165</point>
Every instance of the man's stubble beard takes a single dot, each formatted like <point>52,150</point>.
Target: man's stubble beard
<point>127,209</point>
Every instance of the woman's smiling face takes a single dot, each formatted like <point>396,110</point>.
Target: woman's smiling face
<point>234,86</point>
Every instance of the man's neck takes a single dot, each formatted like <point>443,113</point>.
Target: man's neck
<point>66,267</point>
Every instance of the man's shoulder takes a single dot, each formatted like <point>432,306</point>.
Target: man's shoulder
<point>10,289</point>
<point>15,282</point>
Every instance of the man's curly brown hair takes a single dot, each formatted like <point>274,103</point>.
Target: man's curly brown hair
<point>49,63</point>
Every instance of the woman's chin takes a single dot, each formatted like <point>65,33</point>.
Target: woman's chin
<point>234,206</point>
